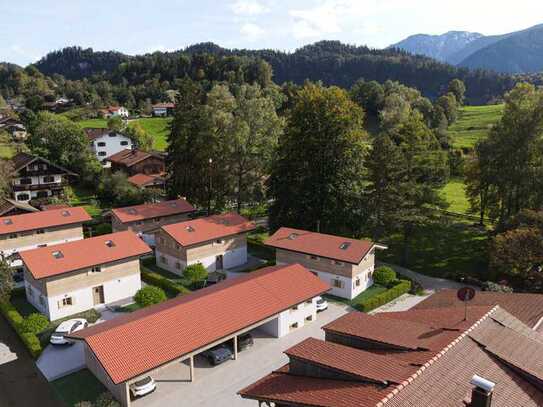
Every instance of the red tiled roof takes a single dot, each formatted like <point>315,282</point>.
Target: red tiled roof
<point>82,254</point>
<point>526,307</point>
<point>204,229</point>
<point>365,365</point>
<point>304,391</point>
<point>320,244</point>
<point>141,180</point>
<point>129,158</point>
<point>154,210</point>
<point>42,220</point>
<point>95,133</point>
<point>131,345</point>
<point>497,346</point>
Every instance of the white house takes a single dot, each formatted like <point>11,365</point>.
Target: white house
<point>346,264</point>
<point>218,242</point>
<point>73,277</point>
<point>19,233</point>
<point>112,111</point>
<point>163,109</point>
<point>106,143</point>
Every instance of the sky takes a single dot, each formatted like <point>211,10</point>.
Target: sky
<point>29,29</point>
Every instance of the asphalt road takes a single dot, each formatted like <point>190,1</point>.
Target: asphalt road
<point>21,384</point>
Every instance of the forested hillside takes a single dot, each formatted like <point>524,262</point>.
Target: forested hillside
<point>331,62</point>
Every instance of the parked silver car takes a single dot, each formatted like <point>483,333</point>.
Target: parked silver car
<point>66,328</point>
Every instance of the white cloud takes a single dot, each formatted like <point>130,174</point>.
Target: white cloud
<point>333,17</point>
<point>249,8</point>
<point>252,32</point>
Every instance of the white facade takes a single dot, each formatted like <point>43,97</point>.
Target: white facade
<point>292,319</point>
<point>160,111</point>
<point>121,111</point>
<point>342,286</point>
<point>231,258</point>
<point>44,181</point>
<point>109,144</point>
<point>82,299</point>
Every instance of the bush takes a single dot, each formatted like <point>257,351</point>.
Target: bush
<point>150,295</point>
<point>378,300</point>
<point>195,273</point>
<point>495,287</point>
<point>384,275</point>
<point>15,319</point>
<point>34,323</point>
<point>159,281</point>
<point>106,400</point>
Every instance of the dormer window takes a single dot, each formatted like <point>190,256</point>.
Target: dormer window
<point>58,255</point>
<point>110,243</point>
<point>345,245</point>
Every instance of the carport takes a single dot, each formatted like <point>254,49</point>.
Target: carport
<point>126,349</point>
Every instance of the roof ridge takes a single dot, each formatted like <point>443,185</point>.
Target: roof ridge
<point>419,372</point>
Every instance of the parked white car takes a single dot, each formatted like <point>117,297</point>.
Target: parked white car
<point>66,328</point>
<point>143,387</point>
<point>322,304</point>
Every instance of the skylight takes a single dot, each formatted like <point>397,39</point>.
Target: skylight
<point>66,213</point>
<point>8,222</point>
<point>293,236</point>
<point>110,243</point>
<point>189,229</point>
<point>132,211</point>
<point>344,245</point>
<point>58,255</point>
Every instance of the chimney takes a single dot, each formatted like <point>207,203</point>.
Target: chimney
<point>481,395</point>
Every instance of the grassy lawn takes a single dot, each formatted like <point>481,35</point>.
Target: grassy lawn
<point>450,248</point>
<point>158,127</point>
<point>78,387</point>
<point>370,292</point>
<point>87,199</point>
<point>455,194</point>
<point>474,123</point>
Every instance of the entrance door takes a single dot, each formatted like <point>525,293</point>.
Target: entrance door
<point>219,262</point>
<point>98,295</point>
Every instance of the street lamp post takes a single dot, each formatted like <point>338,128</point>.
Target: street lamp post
<point>209,188</point>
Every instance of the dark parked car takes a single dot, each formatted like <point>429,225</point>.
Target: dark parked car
<point>217,355</point>
<point>245,341</point>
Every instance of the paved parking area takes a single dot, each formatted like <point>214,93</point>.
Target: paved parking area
<point>218,386</point>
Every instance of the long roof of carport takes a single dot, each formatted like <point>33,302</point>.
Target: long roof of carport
<point>134,344</point>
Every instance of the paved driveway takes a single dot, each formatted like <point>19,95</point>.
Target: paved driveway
<point>21,384</point>
<point>218,386</point>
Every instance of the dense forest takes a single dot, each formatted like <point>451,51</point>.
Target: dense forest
<point>331,62</point>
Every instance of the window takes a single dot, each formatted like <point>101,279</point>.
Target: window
<point>338,263</point>
<point>309,302</point>
<point>177,247</point>
<point>178,265</point>
<point>29,292</point>
<point>112,134</point>
<point>96,269</point>
<point>358,282</point>
<point>101,144</point>
<point>40,231</point>
<point>23,197</point>
<point>49,179</point>
<point>13,236</point>
<point>110,243</point>
<point>65,302</point>
<point>124,143</point>
<point>219,241</point>
<point>295,308</point>
<point>293,236</point>
<point>42,301</point>
<point>337,283</point>
<point>316,258</point>
<point>161,240</point>
<point>344,245</point>
<point>102,153</point>
<point>189,229</point>
<point>26,181</point>
<point>156,220</point>
<point>163,260</point>
<point>309,318</point>
<point>65,213</point>
<point>42,245</point>
<point>58,255</point>
<point>8,222</point>
<point>294,325</point>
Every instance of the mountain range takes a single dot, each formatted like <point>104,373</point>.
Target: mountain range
<point>512,53</point>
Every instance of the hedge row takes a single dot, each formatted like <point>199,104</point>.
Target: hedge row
<point>157,280</point>
<point>15,319</point>
<point>376,301</point>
